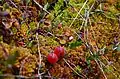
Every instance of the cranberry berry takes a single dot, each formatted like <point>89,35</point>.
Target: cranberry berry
<point>59,51</point>
<point>52,58</point>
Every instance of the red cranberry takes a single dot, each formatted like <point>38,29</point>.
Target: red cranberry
<point>59,51</point>
<point>52,58</point>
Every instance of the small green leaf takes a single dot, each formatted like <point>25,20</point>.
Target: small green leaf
<point>88,62</point>
<point>28,32</point>
<point>118,48</point>
<point>27,2</point>
<point>75,44</point>
<point>78,68</point>
<point>46,6</point>
<point>94,56</point>
<point>30,44</point>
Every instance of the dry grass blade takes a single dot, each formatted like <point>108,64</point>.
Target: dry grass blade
<point>13,4</point>
<point>41,7</point>
<point>39,53</point>
<point>74,70</point>
<point>78,13</point>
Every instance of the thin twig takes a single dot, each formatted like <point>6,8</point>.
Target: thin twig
<point>100,66</point>
<point>110,64</point>
<point>72,68</point>
<point>107,69</point>
<point>24,77</point>
<point>38,52</point>
<point>77,68</point>
<point>49,74</point>
<point>17,76</point>
<point>22,64</point>
<point>41,6</point>
<point>87,44</point>
<point>91,52</point>
<point>13,4</point>
<point>73,18</point>
<point>78,13</point>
